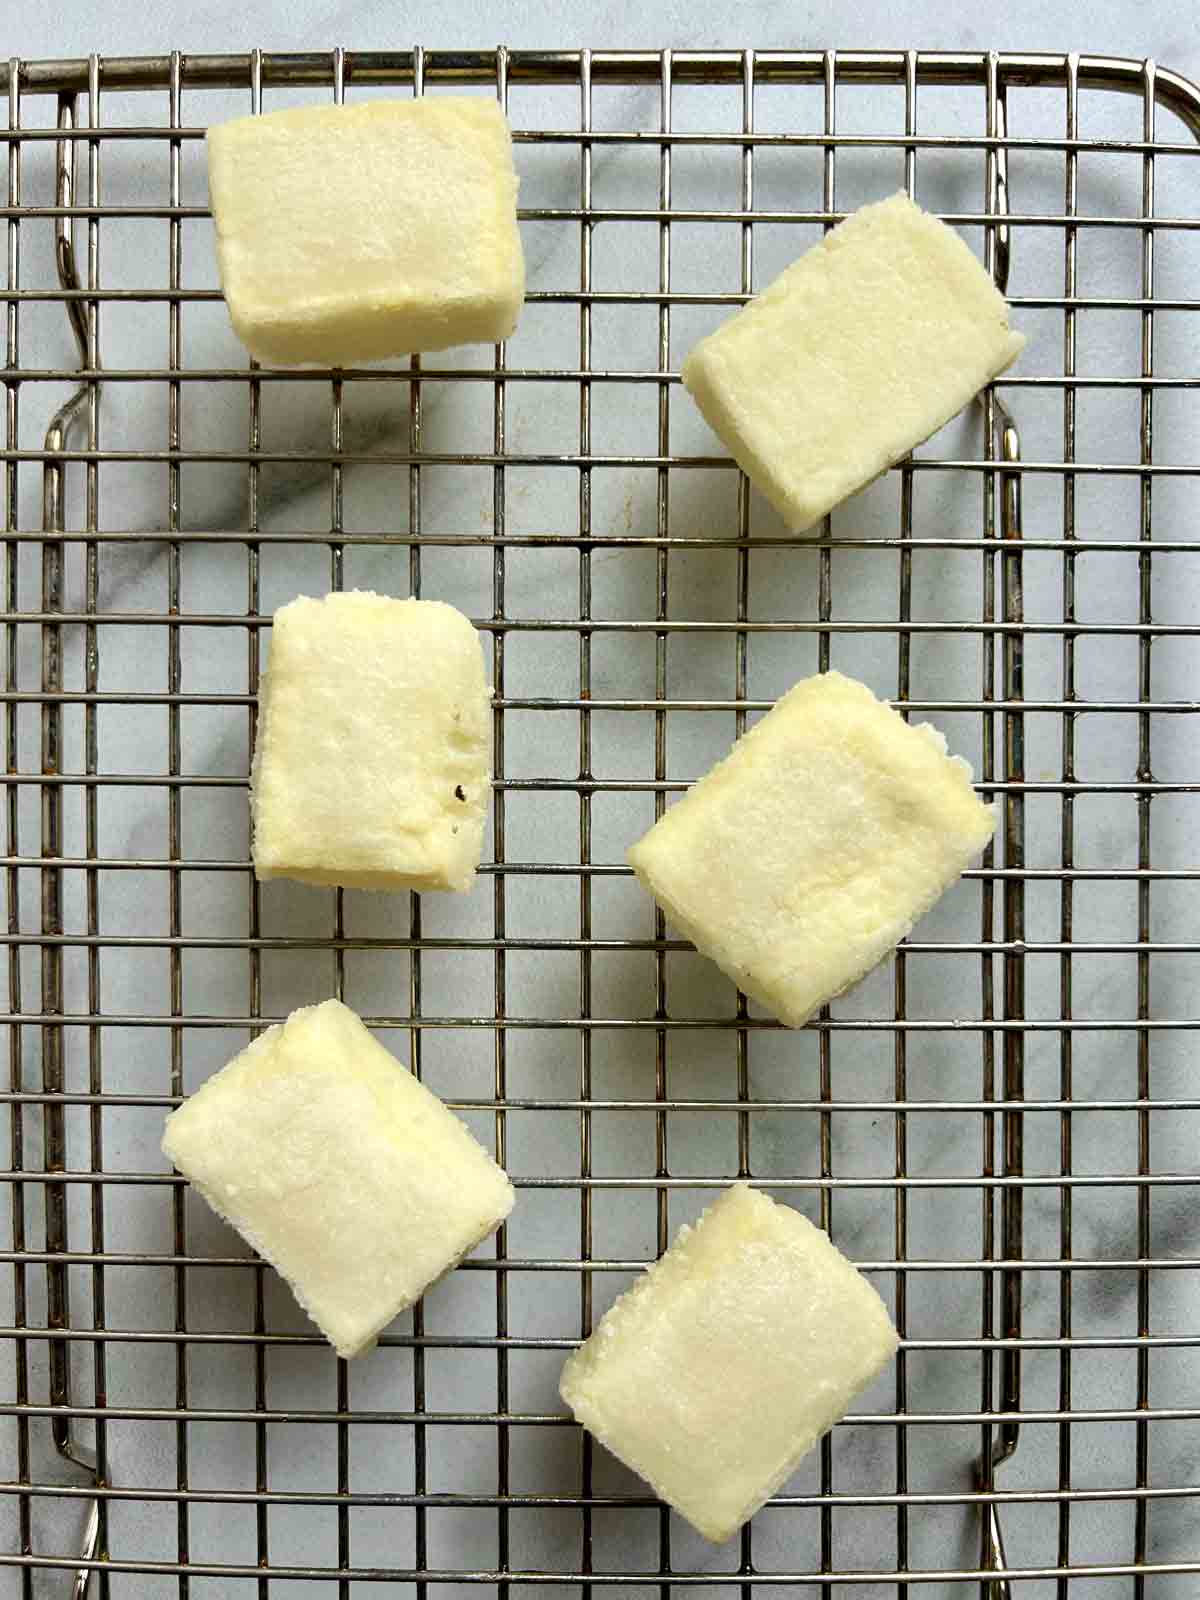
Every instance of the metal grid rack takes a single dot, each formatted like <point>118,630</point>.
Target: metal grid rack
<point>1070,1426</point>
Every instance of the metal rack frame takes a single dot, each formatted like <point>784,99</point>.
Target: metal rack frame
<point>38,1032</point>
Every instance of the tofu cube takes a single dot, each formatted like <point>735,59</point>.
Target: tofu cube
<point>345,1173</point>
<point>722,1367</point>
<point>864,347</point>
<point>349,233</point>
<point>806,855</point>
<point>372,766</point>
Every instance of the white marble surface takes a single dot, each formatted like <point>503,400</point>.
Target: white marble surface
<point>545,1063</point>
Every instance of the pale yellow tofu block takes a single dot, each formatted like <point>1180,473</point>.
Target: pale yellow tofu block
<point>806,855</point>
<point>722,1367</point>
<point>860,350</point>
<point>372,765</point>
<point>349,233</point>
<point>340,1169</point>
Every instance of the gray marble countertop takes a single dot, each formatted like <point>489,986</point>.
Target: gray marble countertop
<point>546,1067</point>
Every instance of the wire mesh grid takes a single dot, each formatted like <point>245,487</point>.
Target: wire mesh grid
<point>999,1125</point>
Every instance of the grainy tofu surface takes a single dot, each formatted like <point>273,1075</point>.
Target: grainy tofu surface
<point>861,349</point>
<point>351,1178</point>
<point>722,1367</point>
<point>806,855</point>
<point>372,766</point>
<point>351,233</point>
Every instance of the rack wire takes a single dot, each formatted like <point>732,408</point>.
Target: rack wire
<point>999,1125</point>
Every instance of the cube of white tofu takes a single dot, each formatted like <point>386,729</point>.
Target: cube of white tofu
<point>340,1169</point>
<point>349,233</point>
<point>806,855</point>
<point>860,350</point>
<point>372,766</point>
<point>722,1367</point>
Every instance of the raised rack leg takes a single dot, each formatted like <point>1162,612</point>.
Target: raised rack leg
<point>58,1294</point>
<point>1011,1212</point>
<point>1007,444</point>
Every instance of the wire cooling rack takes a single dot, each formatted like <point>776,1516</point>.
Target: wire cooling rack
<point>1000,1125</point>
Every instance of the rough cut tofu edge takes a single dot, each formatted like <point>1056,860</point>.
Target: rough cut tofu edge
<point>389,882</point>
<point>260,739</point>
<point>763,994</point>
<point>379,882</point>
<point>346,1351</point>
<point>703,383</point>
<point>640,858</point>
<point>644,872</point>
<point>716,1533</point>
<point>272,341</point>
<point>382,882</point>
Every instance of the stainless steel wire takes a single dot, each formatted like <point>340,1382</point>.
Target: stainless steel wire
<point>64,1258</point>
